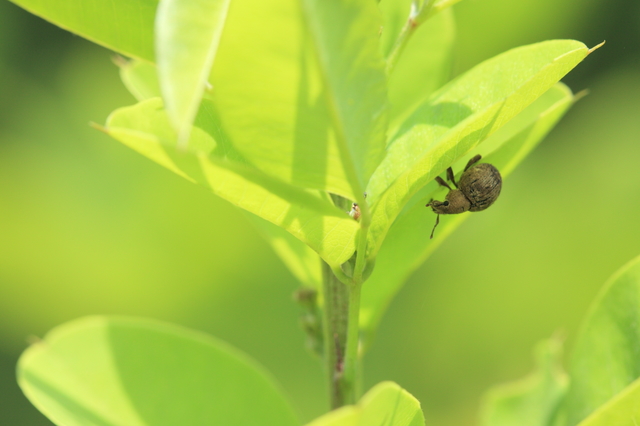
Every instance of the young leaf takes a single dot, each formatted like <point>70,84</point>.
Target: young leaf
<point>187,36</point>
<point>457,118</point>
<point>274,102</point>
<point>112,371</point>
<point>533,400</point>
<point>386,404</point>
<point>213,161</point>
<point>407,245</point>
<point>125,26</point>
<point>605,358</point>
<point>140,78</point>
<point>621,410</point>
<point>425,63</point>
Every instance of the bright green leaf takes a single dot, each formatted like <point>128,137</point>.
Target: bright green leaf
<point>457,118</point>
<point>344,38</point>
<point>273,100</point>
<point>423,66</point>
<point>407,245</point>
<point>187,36</point>
<point>109,371</point>
<point>213,161</point>
<point>125,26</point>
<point>140,78</point>
<point>533,400</point>
<point>621,410</point>
<point>386,404</point>
<point>606,354</point>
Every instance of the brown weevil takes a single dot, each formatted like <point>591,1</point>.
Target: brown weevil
<point>478,188</point>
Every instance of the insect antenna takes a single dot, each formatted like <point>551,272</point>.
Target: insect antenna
<point>434,226</point>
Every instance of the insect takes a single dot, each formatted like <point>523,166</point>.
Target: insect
<point>478,188</point>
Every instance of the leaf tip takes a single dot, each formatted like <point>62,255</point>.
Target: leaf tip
<point>596,47</point>
<point>99,127</point>
<point>581,94</point>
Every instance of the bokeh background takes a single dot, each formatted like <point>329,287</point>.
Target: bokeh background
<point>87,226</point>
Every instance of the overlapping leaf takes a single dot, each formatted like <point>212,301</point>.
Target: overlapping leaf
<point>425,63</point>
<point>187,34</point>
<point>457,118</point>
<point>386,404</point>
<point>605,360</point>
<point>283,81</point>
<point>407,245</point>
<point>140,78</point>
<point>214,162</point>
<point>125,26</point>
<point>130,372</point>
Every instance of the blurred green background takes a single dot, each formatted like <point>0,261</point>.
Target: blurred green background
<point>87,226</point>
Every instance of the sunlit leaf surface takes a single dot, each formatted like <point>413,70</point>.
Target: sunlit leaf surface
<point>407,244</point>
<point>129,372</point>
<point>187,34</point>
<point>458,117</point>
<point>213,162</point>
<point>125,26</point>
<point>386,404</point>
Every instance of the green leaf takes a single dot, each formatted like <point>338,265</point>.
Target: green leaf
<point>344,37</point>
<point>605,358</point>
<point>425,63</point>
<point>621,410</point>
<point>140,78</point>
<point>125,26</point>
<point>111,371</point>
<point>298,257</point>
<point>407,245</point>
<point>533,400</point>
<point>273,99</point>
<point>386,404</point>
<point>457,118</point>
<point>213,161</point>
<point>187,36</point>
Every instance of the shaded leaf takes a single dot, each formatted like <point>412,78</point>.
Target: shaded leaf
<point>457,118</point>
<point>425,63</point>
<point>125,26</point>
<point>386,404</point>
<point>533,400</point>
<point>606,357</point>
<point>110,371</point>
<point>272,98</point>
<point>299,258</point>
<point>187,36</point>
<point>407,245</point>
<point>213,161</point>
<point>344,37</point>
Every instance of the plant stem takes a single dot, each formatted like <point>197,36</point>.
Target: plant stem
<point>336,318</point>
<point>417,15</point>
<point>351,380</point>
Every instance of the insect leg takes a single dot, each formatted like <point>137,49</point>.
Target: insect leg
<point>434,226</point>
<point>442,182</point>
<point>473,161</point>
<point>451,177</point>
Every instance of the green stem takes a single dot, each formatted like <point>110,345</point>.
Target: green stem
<point>351,381</point>
<point>336,318</point>
<point>417,15</point>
